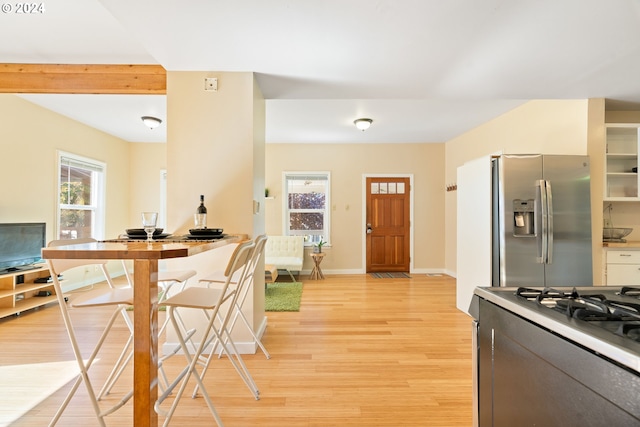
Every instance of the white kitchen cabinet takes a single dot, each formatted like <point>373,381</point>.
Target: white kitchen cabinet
<point>621,182</point>
<point>623,267</point>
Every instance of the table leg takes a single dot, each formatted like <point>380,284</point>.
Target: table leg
<point>145,347</point>
<point>316,272</point>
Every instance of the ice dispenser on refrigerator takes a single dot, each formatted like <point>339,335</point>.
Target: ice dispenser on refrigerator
<point>523,218</point>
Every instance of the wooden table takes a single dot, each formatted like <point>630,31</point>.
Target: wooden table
<point>145,258</point>
<point>316,273</point>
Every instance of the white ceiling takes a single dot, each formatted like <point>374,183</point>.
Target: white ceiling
<point>423,70</point>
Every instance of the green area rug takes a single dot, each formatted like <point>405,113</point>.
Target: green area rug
<point>283,296</point>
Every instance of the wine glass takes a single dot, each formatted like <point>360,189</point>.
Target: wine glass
<point>200,220</point>
<point>149,220</point>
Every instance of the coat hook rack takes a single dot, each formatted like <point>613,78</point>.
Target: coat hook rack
<point>452,187</point>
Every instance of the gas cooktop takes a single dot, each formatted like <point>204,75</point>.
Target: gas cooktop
<point>605,319</point>
<point>608,311</point>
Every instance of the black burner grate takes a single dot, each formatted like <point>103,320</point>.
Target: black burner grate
<point>591,307</point>
<point>629,291</point>
<point>630,330</point>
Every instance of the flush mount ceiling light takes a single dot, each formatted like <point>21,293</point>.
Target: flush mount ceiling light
<point>151,122</point>
<point>362,124</point>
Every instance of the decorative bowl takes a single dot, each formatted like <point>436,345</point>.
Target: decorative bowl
<point>615,233</point>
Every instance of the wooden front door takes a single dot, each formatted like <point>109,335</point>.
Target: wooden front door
<point>388,207</point>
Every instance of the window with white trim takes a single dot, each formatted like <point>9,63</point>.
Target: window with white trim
<point>306,205</point>
<point>81,206</point>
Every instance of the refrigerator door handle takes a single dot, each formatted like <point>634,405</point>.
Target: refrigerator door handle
<point>541,184</point>
<point>549,259</point>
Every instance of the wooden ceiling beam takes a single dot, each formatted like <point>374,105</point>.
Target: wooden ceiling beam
<point>82,78</point>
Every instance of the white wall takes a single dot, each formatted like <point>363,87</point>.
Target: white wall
<point>347,164</point>
<point>146,161</point>
<point>29,139</point>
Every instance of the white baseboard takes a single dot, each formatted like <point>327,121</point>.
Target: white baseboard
<point>361,271</point>
<point>79,284</point>
<point>428,271</point>
<point>346,271</point>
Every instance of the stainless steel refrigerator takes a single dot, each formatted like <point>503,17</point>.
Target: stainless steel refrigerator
<point>541,222</point>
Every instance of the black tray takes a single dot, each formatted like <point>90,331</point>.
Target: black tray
<point>209,237</point>
<point>140,232</point>
<point>206,231</point>
<point>144,236</point>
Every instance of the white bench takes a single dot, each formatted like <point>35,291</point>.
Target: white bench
<point>285,253</point>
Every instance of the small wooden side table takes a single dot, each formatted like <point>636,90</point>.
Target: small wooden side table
<point>316,273</point>
<point>270,273</point>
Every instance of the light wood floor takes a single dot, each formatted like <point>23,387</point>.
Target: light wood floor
<point>361,352</point>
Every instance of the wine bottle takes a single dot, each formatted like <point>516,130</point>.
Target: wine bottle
<point>202,209</point>
<point>200,218</point>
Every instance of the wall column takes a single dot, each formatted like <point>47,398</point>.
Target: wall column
<point>215,147</point>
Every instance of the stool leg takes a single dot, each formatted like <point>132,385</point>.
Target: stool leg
<point>190,369</point>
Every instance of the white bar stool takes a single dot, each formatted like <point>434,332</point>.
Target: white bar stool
<point>119,298</point>
<point>209,301</point>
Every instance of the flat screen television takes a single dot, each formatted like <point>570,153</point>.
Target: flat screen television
<point>21,245</point>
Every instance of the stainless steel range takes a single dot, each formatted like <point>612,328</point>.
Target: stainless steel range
<point>557,357</point>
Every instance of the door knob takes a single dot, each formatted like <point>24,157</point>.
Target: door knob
<point>369,229</point>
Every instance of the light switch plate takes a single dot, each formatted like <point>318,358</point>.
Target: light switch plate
<point>211,83</point>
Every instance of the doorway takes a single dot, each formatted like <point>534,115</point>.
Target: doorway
<point>388,224</point>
